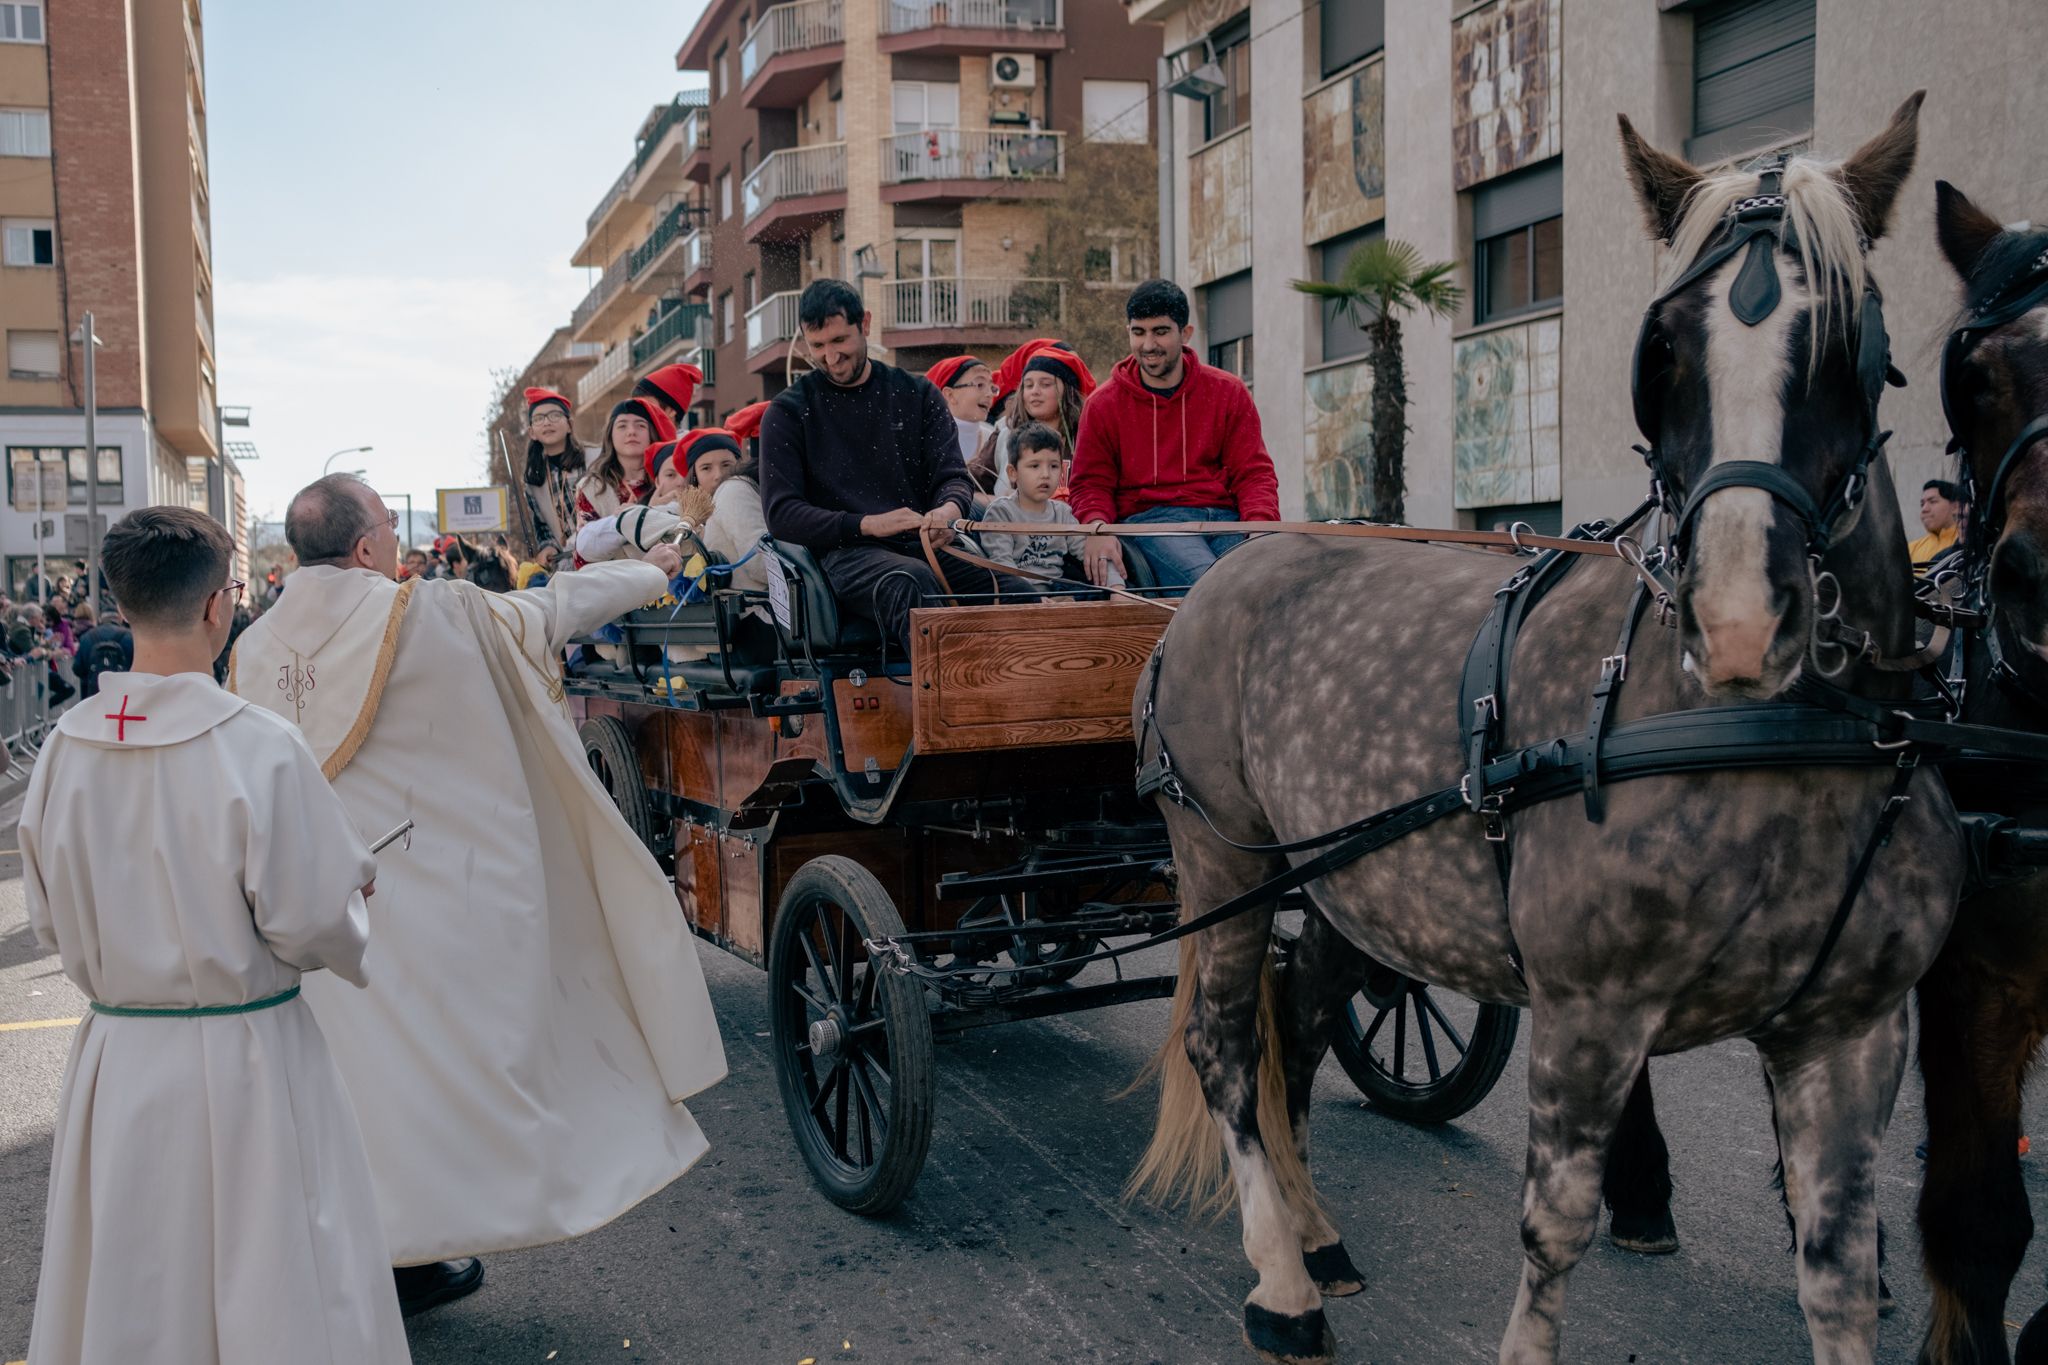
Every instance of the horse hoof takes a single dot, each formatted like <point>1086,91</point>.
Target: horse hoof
<point>1645,1234</point>
<point>1331,1268</point>
<point>1289,1338</point>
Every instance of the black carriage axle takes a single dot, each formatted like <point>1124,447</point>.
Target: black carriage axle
<point>1067,870</point>
<point>1049,1001</point>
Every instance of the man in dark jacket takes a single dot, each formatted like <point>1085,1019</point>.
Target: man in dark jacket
<point>856,458</point>
<point>109,647</point>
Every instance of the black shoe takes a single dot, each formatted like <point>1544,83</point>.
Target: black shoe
<point>421,1287</point>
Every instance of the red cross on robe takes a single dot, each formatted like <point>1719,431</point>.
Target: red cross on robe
<point>123,719</point>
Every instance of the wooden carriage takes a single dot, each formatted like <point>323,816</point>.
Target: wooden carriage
<point>973,806</point>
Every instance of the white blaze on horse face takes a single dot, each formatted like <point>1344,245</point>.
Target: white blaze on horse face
<point>1747,368</point>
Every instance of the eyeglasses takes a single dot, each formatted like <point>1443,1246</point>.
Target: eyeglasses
<point>235,586</point>
<point>391,520</point>
<point>547,415</point>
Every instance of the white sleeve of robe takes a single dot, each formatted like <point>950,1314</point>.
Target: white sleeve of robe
<point>306,867</point>
<point>736,527</point>
<point>600,541</point>
<point>574,604</point>
<point>27,836</point>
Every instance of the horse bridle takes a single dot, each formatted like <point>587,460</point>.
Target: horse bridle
<point>2012,285</point>
<point>1756,228</point>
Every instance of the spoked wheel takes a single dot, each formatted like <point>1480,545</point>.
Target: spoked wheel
<point>853,1046</point>
<point>608,748</point>
<point>1420,1054</point>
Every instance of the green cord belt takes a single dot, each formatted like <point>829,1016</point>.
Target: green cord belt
<point>196,1011</point>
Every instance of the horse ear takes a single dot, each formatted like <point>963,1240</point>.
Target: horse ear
<point>1873,174</point>
<point>1963,229</point>
<point>1661,181</point>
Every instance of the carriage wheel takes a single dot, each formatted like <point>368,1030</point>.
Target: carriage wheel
<point>853,1046</point>
<point>608,748</point>
<point>1419,1055</point>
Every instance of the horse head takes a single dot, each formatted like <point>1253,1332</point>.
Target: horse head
<point>1757,374</point>
<point>1994,388</point>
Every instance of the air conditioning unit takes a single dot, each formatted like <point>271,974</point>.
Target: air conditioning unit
<point>1013,71</point>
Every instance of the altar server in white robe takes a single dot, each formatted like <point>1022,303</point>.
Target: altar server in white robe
<point>537,1013</point>
<point>210,1200</point>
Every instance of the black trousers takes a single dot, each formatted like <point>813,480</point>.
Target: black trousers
<point>882,581</point>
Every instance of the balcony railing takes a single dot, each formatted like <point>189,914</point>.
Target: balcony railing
<point>601,376</point>
<point>697,252</point>
<point>794,173</point>
<point>615,276</point>
<point>973,303</point>
<point>772,320</point>
<point>704,358</point>
<point>690,322</point>
<point>1021,16</point>
<point>611,197</point>
<point>672,225</point>
<point>687,106</point>
<point>972,154</point>
<point>791,28</point>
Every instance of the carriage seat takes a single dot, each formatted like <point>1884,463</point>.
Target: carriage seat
<point>832,632</point>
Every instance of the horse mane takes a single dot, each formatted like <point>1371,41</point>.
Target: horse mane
<point>1826,231</point>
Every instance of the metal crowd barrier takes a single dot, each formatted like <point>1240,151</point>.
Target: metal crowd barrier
<point>25,716</point>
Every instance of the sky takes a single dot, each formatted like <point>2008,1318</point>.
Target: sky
<point>396,191</point>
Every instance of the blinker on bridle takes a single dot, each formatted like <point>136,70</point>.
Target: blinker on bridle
<point>2004,296</point>
<point>1755,229</point>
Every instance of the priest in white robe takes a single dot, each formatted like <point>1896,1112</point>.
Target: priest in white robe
<point>537,1013</point>
<point>210,1200</point>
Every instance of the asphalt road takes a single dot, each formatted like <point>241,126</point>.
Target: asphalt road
<point>1015,1247</point>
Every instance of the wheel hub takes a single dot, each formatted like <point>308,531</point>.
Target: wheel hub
<point>826,1039</point>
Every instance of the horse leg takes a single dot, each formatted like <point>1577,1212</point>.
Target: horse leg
<point>1831,1110</point>
<point>1225,1083</point>
<point>1582,1062</point>
<point>1637,1185</point>
<point>1323,971</point>
<point>1976,1042</point>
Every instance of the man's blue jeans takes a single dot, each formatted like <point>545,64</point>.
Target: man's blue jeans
<point>1177,561</point>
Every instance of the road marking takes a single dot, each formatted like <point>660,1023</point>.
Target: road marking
<point>27,1024</point>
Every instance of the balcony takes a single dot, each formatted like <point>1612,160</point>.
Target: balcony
<point>788,50</point>
<point>705,359</point>
<point>660,261</point>
<point>697,262</point>
<point>969,312</point>
<point>606,220</point>
<point>600,379</point>
<point>664,153</point>
<point>688,324</point>
<point>770,325</point>
<point>1153,11</point>
<point>794,190</point>
<point>964,27</point>
<point>947,164</point>
<point>607,303</point>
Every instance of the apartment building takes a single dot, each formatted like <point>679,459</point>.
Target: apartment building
<point>1484,134</point>
<point>104,208</point>
<point>909,145</point>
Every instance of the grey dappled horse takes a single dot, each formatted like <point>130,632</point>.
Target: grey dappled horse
<point>1307,682</point>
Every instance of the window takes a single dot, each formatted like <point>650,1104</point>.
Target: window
<point>28,241</point>
<point>1116,111</point>
<point>1752,76</point>
<point>838,117</point>
<point>24,132</point>
<point>1114,260</point>
<point>21,21</point>
<point>720,82</point>
<point>1352,31</point>
<point>746,160</point>
<point>1543,518</point>
<point>919,105</point>
<point>1518,242</point>
<point>73,460</point>
<point>1342,337</point>
<point>34,355</point>
<point>1232,106</point>
<point>724,195</point>
<point>752,294</point>
<point>725,316</point>
<point>1227,317</point>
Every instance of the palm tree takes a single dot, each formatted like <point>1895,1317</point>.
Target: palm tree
<point>1381,281</point>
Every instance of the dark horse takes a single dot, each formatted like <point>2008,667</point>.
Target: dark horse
<point>1984,1004</point>
<point>1697,909</point>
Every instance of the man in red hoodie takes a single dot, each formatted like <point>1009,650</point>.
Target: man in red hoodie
<point>1169,439</point>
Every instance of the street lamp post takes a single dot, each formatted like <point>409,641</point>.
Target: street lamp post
<point>352,450</point>
<point>89,343</point>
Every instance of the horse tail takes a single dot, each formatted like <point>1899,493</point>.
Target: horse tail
<point>1185,1159</point>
